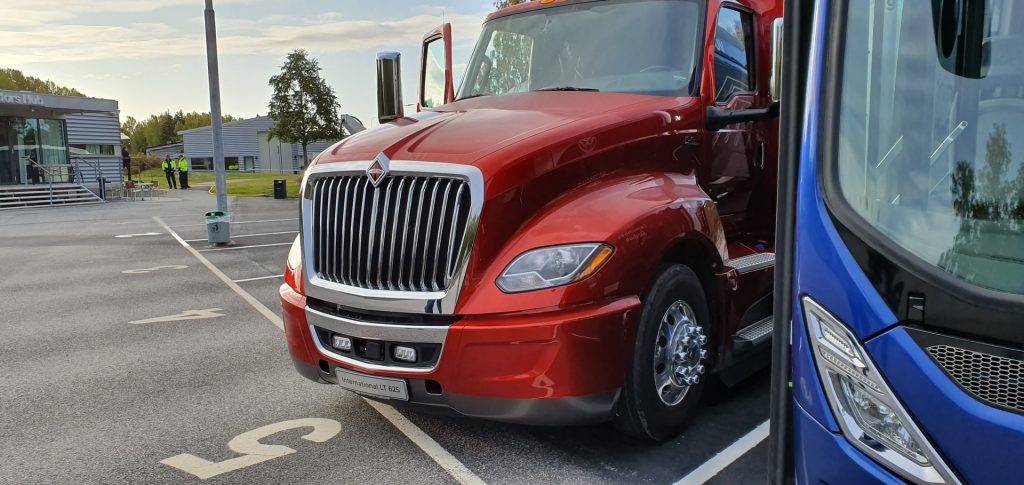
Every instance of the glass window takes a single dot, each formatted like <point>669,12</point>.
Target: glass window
<point>26,149</point>
<point>511,50</point>
<point>434,76</point>
<point>9,166</point>
<point>53,146</point>
<point>200,163</point>
<point>85,150</point>
<point>734,54</point>
<point>645,47</point>
<point>932,159</point>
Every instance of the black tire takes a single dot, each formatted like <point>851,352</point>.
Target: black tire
<point>641,412</point>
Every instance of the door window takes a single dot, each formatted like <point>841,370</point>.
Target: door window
<point>734,54</point>
<point>434,75</point>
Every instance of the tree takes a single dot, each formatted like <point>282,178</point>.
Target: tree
<point>500,4</point>
<point>15,80</point>
<point>163,128</point>
<point>304,106</point>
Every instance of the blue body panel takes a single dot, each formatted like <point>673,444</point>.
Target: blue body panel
<point>984,444</point>
<point>834,459</point>
<point>981,443</point>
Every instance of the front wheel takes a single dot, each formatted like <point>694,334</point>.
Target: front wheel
<point>666,374</point>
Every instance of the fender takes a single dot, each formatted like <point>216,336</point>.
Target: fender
<point>643,215</point>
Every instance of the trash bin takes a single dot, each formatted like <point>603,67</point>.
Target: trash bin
<point>218,229</point>
<point>280,189</point>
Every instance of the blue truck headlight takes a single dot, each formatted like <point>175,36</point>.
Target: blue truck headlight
<point>866,408</point>
<point>553,266</point>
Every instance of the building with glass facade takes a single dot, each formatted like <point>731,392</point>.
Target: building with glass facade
<point>60,139</point>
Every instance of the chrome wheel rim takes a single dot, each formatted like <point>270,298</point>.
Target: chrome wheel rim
<point>679,349</point>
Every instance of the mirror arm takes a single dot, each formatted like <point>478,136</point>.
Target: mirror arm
<point>717,118</point>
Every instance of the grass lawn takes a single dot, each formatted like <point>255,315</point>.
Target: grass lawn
<point>239,184</point>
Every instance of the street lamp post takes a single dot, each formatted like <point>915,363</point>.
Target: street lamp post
<point>215,113</point>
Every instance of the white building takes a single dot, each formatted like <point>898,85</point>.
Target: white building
<point>248,146</point>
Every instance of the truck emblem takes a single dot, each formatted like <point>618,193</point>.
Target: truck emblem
<point>378,169</point>
<point>588,144</point>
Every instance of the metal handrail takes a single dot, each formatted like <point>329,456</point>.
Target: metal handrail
<point>49,172</point>
<point>95,167</point>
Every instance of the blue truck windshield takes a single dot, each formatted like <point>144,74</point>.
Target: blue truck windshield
<point>930,158</point>
<point>644,47</point>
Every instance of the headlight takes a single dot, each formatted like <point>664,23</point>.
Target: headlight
<point>293,273</point>
<point>295,255</point>
<point>867,410</point>
<point>553,266</point>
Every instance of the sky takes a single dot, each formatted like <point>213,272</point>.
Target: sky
<point>150,55</point>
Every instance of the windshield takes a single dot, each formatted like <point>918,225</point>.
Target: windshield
<point>930,149</point>
<point>643,47</point>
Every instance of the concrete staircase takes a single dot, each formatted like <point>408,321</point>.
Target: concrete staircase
<point>27,196</point>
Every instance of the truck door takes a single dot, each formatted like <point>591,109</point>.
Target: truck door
<point>736,152</point>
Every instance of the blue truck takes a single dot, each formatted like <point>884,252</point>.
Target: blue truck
<point>899,345</point>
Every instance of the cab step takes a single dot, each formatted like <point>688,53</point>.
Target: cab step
<point>753,262</point>
<point>754,335</point>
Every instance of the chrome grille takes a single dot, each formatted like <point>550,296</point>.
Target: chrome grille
<point>992,378</point>
<point>406,234</point>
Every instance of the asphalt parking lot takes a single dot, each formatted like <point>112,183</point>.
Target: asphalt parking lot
<point>129,358</point>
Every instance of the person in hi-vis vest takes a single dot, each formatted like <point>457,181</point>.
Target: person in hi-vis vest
<point>183,172</point>
<point>168,167</point>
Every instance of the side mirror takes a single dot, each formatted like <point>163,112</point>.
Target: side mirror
<point>775,88</point>
<point>960,30</point>
<point>436,78</point>
<point>389,87</point>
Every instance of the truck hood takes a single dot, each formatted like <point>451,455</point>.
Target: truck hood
<point>467,131</point>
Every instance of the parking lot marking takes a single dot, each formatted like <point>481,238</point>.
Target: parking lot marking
<point>251,300</point>
<point>253,452</point>
<point>235,248</point>
<point>452,465</point>
<point>241,222</point>
<point>726,457</point>
<point>127,236</point>
<point>150,270</point>
<point>248,235</point>
<point>442,457</point>
<point>186,315</point>
<point>260,278</point>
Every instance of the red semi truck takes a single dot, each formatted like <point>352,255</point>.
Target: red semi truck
<point>582,233</point>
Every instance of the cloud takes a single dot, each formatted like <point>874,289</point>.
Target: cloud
<point>276,35</point>
<point>22,13</point>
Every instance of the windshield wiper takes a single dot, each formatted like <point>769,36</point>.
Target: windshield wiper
<point>471,96</point>
<point>570,88</point>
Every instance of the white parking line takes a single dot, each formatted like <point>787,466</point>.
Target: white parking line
<point>726,457</point>
<point>260,278</point>
<point>248,235</point>
<point>235,248</point>
<point>241,222</point>
<point>442,457</point>
<point>251,300</point>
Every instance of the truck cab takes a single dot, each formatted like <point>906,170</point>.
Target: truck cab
<point>582,232</point>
